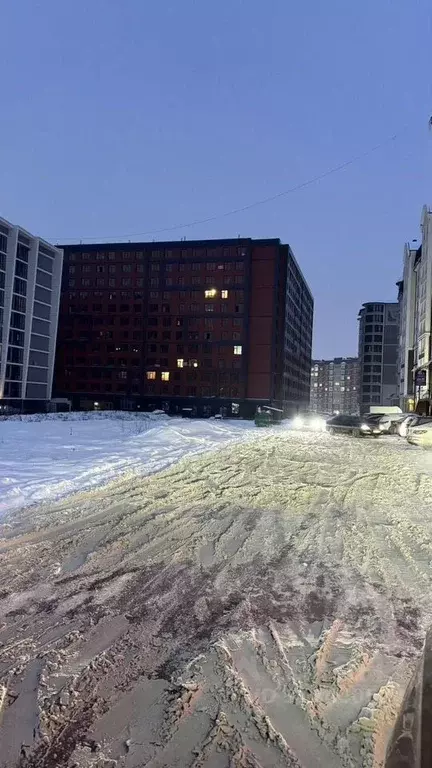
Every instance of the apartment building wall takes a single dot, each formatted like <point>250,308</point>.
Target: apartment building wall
<point>407,300</point>
<point>335,385</point>
<point>422,307</point>
<point>298,329</point>
<point>378,354</point>
<point>415,292</point>
<point>198,324</point>
<point>30,275</point>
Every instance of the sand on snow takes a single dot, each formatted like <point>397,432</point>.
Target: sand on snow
<point>264,605</point>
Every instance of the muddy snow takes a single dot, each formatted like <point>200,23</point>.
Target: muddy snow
<point>262,605</point>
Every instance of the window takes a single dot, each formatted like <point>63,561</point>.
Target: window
<point>100,268</point>
<point>238,349</point>
<point>155,267</point>
<point>210,266</point>
<point>71,270</point>
<point>127,268</point>
<point>126,280</point>
<point>239,265</point>
<point>154,282</point>
<point>151,375</point>
<point>209,307</point>
<point>210,293</point>
<point>71,283</point>
<point>165,375</point>
<point>224,294</point>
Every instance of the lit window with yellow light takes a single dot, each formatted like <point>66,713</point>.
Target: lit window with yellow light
<point>210,293</point>
<point>224,294</point>
<point>151,375</point>
<point>180,362</point>
<point>165,375</point>
<point>238,349</point>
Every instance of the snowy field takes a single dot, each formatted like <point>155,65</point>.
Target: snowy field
<point>44,458</point>
<point>258,606</point>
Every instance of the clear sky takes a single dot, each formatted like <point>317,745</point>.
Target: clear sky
<point>125,117</point>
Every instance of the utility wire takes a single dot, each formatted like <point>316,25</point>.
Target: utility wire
<point>248,207</point>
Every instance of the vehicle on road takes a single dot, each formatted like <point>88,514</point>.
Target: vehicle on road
<point>402,426</point>
<point>309,421</point>
<point>384,410</point>
<point>388,423</point>
<point>356,426</point>
<point>420,433</point>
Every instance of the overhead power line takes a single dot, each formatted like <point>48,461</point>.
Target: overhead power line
<point>243,208</point>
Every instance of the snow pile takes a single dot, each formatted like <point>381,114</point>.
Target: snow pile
<point>47,456</point>
<point>87,416</point>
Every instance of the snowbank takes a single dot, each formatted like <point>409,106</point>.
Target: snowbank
<point>44,457</point>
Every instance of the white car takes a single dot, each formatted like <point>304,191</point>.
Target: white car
<point>403,426</point>
<point>421,433</point>
<point>388,422</point>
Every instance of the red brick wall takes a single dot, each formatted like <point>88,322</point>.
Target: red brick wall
<point>261,326</point>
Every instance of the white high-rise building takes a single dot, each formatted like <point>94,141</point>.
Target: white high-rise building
<point>30,278</point>
<point>415,301</point>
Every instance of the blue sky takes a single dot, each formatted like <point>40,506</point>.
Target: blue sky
<point>121,118</point>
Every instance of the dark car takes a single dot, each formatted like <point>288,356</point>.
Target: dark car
<point>344,424</point>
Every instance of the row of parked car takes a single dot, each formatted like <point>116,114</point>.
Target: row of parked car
<point>416,429</point>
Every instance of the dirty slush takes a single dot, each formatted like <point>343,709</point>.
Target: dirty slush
<point>264,605</point>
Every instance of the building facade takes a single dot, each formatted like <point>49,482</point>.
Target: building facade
<point>378,354</point>
<point>199,325</point>
<point>335,385</point>
<point>415,299</point>
<point>30,277</point>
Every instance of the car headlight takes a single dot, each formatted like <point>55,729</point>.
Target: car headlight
<point>365,428</point>
<point>318,424</point>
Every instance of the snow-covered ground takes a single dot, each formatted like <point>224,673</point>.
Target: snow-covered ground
<point>44,458</point>
<point>262,605</point>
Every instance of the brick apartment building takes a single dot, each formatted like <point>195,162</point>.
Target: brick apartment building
<point>198,324</point>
